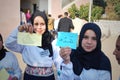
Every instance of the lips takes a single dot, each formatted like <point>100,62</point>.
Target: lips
<point>39,31</point>
<point>88,47</point>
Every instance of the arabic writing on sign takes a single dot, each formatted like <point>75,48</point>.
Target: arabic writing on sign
<point>29,39</point>
<point>67,39</point>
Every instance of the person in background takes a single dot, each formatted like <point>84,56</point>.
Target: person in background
<point>8,61</point>
<point>88,61</point>
<point>56,22</point>
<point>22,17</point>
<point>50,22</point>
<point>78,23</point>
<point>65,24</point>
<point>39,59</point>
<point>28,16</point>
<point>116,52</point>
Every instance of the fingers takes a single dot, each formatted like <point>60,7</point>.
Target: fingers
<point>65,50</point>
<point>21,28</point>
<point>65,54</point>
<point>26,27</point>
<point>30,28</point>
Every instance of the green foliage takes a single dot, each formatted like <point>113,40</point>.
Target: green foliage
<point>113,9</point>
<point>117,9</point>
<point>96,12</point>
<point>73,10</point>
<point>83,11</point>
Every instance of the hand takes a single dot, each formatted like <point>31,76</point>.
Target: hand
<point>65,54</point>
<point>26,27</point>
<point>15,78</point>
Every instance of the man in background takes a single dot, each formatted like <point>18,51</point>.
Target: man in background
<point>65,24</point>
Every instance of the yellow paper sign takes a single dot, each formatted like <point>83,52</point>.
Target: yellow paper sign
<point>29,39</point>
<point>4,74</point>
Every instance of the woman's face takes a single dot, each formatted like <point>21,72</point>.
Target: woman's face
<point>39,25</point>
<point>89,41</point>
<point>117,50</point>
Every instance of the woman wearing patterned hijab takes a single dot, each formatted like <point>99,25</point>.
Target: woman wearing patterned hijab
<point>88,60</point>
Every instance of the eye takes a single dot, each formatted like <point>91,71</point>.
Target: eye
<point>94,38</point>
<point>117,48</point>
<point>35,24</point>
<point>42,24</point>
<point>85,37</point>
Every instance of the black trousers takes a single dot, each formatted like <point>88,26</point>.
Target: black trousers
<point>31,77</point>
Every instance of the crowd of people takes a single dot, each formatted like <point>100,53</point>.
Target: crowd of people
<point>86,62</point>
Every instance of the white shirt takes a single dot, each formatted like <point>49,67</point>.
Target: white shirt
<point>33,55</point>
<point>91,74</point>
<point>56,22</point>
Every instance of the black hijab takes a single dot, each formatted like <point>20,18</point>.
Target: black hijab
<point>2,51</point>
<point>46,37</point>
<point>95,59</point>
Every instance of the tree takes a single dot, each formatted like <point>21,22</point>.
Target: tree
<point>73,10</point>
<point>113,9</point>
<point>97,13</point>
<point>83,11</point>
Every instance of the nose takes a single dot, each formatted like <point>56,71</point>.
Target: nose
<point>89,40</point>
<point>115,52</point>
<point>39,26</point>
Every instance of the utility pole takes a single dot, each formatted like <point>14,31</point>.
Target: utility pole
<point>90,10</point>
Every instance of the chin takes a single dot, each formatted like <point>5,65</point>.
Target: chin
<point>88,50</point>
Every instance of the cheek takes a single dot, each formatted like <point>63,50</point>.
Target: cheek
<point>117,53</point>
<point>94,44</point>
<point>44,27</point>
<point>83,43</point>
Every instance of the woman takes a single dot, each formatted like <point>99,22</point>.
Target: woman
<point>88,60</point>
<point>8,61</point>
<point>28,15</point>
<point>117,50</point>
<point>39,59</point>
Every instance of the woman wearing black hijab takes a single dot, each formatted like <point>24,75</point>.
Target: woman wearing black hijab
<point>88,60</point>
<point>39,59</point>
<point>8,61</point>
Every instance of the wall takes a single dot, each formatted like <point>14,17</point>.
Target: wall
<point>9,16</point>
<point>9,20</point>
